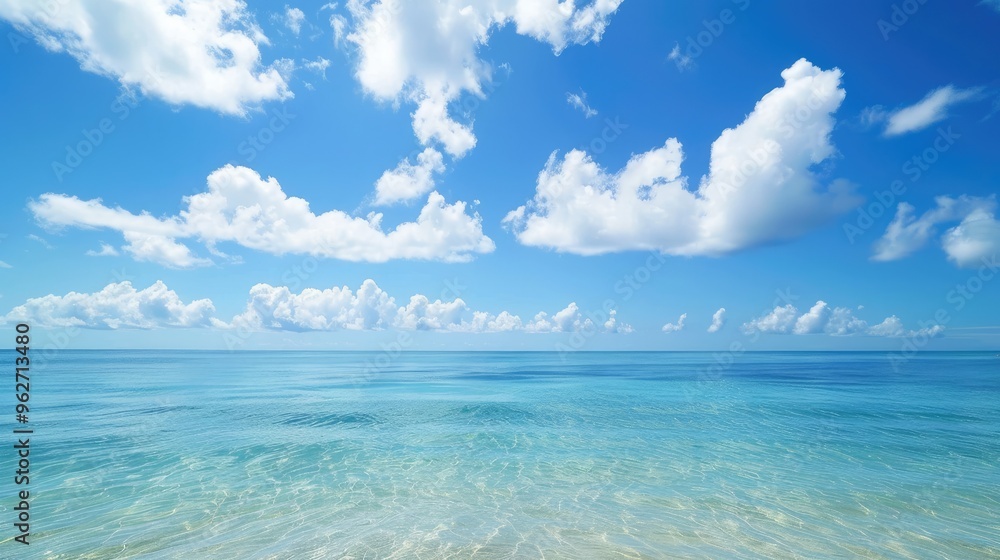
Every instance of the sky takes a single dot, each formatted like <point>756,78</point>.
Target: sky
<point>728,175</point>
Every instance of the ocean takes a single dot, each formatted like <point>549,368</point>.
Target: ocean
<point>591,455</point>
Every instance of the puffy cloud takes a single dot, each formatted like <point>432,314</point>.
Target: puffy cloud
<point>277,308</point>
<point>974,240</point>
<point>241,207</point>
<point>427,53</point>
<point>579,101</point>
<point>780,320</point>
<point>718,320</point>
<point>567,320</point>
<point>676,327</point>
<point>613,326</point>
<point>199,52</point>
<point>408,181</point>
<point>929,110</point>
<point>371,308</point>
<point>117,306</point>
<point>760,187</point>
<point>976,237</point>
<point>571,319</point>
<point>821,319</point>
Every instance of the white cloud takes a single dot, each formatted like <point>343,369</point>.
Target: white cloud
<point>5,265</point>
<point>338,24</point>
<point>718,320</point>
<point>277,308</point>
<point>371,308</point>
<point>40,240</point>
<point>780,320</point>
<point>318,66</point>
<point>995,4</point>
<point>929,110</point>
<point>428,53</point>
<point>612,325</point>
<point>977,236</point>
<point>821,319</point>
<point>199,52</point>
<point>241,207</point>
<point>292,18</point>
<point>676,327</point>
<point>571,319</point>
<point>568,320</point>
<point>117,306</point>
<point>105,251</point>
<point>579,101</point>
<point>682,60</point>
<point>974,240</point>
<point>760,188</point>
<point>408,181</point>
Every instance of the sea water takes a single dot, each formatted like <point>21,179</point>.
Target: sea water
<point>253,455</point>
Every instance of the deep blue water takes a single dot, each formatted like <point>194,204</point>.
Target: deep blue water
<point>175,454</point>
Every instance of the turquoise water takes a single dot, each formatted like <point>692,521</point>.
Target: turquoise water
<point>511,455</point>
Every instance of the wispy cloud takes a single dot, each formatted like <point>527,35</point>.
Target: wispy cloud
<point>931,109</point>
<point>579,101</point>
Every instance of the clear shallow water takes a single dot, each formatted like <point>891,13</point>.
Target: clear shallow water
<point>512,455</point>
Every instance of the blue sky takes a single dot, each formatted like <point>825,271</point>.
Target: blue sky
<point>603,123</point>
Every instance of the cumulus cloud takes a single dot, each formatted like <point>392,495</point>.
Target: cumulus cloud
<point>571,319</point>
<point>371,308</point>
<point>408,181</point>
<point>427,54</point>
<point>761,186</point>
<point>613,326</point>
<point>676,327</point>
<point>822,319</point>
<point>200,52</point>
<point>718,320</point>
<point>579,101</point>
<point>243,208</point>
<point>976,237</point>
<point>929,110</point>
<point>278,308</point>
<point>117,306</point>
